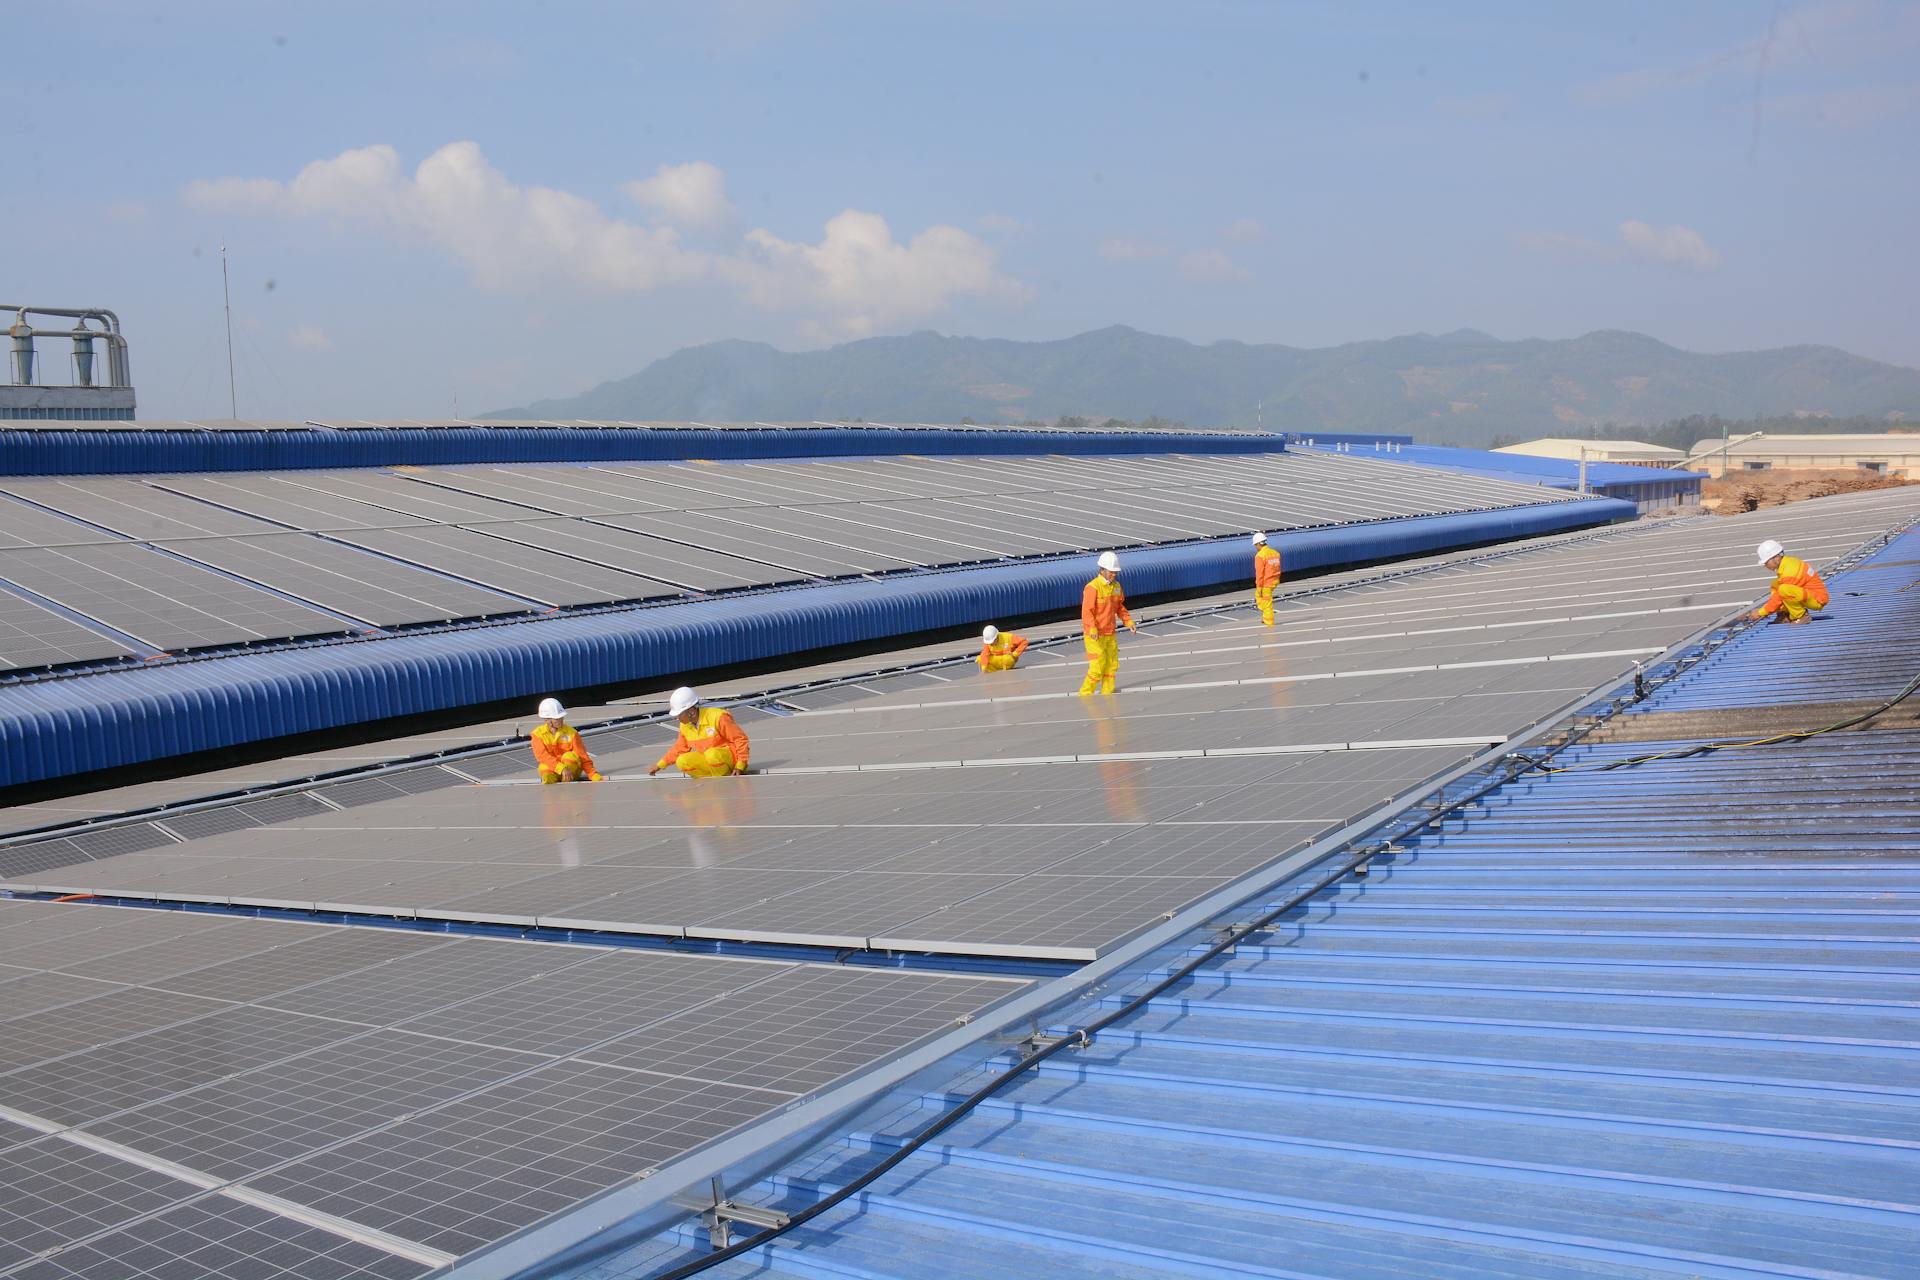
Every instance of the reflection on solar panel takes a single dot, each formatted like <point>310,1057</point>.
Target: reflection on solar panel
<point>282,1099</point>
<point>133,508</point>
<point>32,636</point>
<point>286,501</point>
<point>25,526</point>
<point>530,572</point>
<point>158,599</point>
<point>346,580</point>
<point>672,562</point>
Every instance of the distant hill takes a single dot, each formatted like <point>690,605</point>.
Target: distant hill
<point>1458,388</point>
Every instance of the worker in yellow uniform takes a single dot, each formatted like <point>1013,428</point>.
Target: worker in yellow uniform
<point>558,751</point>
<point>1000,650</point>
<point>1102,605</point>
<point>1266,576</point>
<point>1797,589</point>
<point>710,744</point>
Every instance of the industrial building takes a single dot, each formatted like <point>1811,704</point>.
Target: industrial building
<point>1329,950</point>
<point>94,383</point>
<point>1894,454</point>
<point>1631,453</point>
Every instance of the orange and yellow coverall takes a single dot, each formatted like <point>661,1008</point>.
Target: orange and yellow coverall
<point>561,756</point>
<point>1266,576</point>
<point>712,747</point>
<point>1003,654</point>
<point>1797,589</point>
<point>1102,604</point>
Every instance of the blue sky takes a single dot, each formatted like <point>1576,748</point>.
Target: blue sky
<point>506,201</point>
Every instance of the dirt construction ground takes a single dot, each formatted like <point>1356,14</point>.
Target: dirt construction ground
<point>1750,490</point>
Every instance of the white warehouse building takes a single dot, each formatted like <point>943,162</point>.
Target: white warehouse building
<point>1891,454</point>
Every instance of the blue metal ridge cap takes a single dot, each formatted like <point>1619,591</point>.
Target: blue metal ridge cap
<point>28,452</point>
<point>118,717</point>
<point>1558,473</point>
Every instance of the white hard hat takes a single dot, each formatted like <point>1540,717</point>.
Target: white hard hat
<point>1259,539</point>
<point>1109,562</point>
<point>1768,550</point>
<point>550,709</point>
<point>989,635</point>
<point>682,699</point>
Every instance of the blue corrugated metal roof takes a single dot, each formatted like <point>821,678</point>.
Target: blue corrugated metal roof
<point>1660,1021</point>
<point>1611,479</point>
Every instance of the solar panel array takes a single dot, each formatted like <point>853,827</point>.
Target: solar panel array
<point>185,1094</point>
<point>165,563</point>
<point>954,812</point>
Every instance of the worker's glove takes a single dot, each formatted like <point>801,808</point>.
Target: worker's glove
<point>651,772</point>
<point>594,777</point>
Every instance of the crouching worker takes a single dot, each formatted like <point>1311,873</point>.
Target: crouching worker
<point>557,749</point>
<point>1797,589</point>
<point>710,744</point>
<point>1000,650</point>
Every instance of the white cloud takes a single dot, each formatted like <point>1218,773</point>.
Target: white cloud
<point>510,237</point>
<point>1131,249</point>
<point>863,278</point>
<point>1244,231</point>
<point>1673,246</point>
<point>1832,34</point>
<point>684,195</point>
<point>309,337</point>
<point>1210,266</point>
<point>1001,225</point>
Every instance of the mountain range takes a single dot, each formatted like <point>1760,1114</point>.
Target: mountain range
<point>1465,387</point>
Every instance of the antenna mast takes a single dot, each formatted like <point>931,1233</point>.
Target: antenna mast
<point>226,295</point>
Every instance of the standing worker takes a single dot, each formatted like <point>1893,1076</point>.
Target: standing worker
<point>710,744</point>
<point>1797,589</point>
<point>1000,650</point>
<point>1101,605</point>
<point>557,749</point>
<point>1266,576</point>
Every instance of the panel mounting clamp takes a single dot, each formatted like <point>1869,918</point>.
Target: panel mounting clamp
<point>720,1215</point>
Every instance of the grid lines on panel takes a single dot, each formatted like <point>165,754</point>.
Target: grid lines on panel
<point>162,601</point>
<point>480,1168</point>
<point>215,1238</point>
<point>53,1193</point>
<point>800,1031</point>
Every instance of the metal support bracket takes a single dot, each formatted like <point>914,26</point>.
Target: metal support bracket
<point>720,1215</point>
<point>1041,1040</point>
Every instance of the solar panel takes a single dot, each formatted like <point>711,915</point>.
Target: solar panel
<point>430,1088</point>
<point>285,501</point>
<point>419,496</point>
<point>160,600</point>
<point>134,508</point>
<point>804,555</point>
<point>54,1193</point>
<point>26,526</point>
<point>815,524</point>
<point>530,572</point>
<point>217,1238</point>
<point>677,563</point>
<point>347,580</point>
<point>34,636</point>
